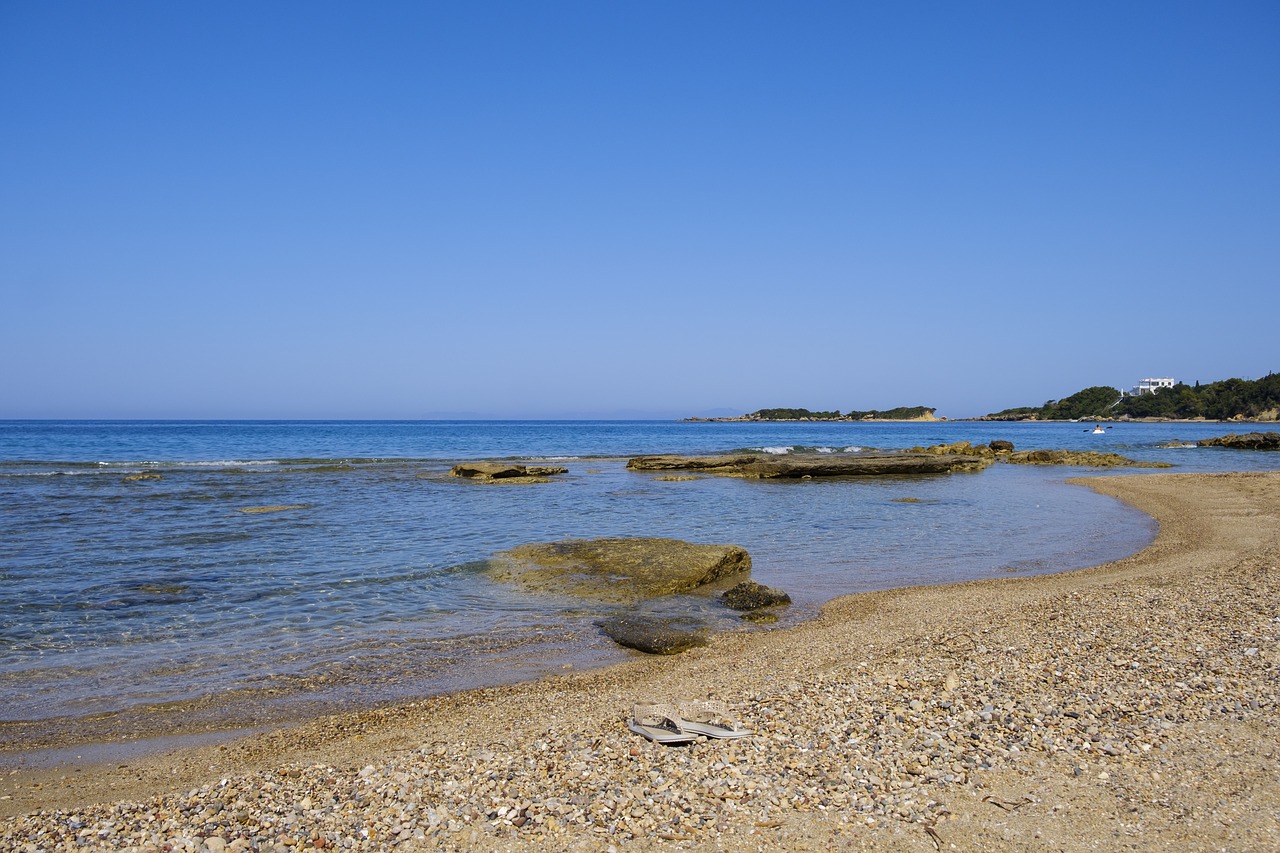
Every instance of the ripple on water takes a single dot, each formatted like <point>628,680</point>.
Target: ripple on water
<point>115,595</point>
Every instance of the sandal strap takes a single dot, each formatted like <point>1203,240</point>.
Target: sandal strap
<point>706,711</point>
<point>656,714</point>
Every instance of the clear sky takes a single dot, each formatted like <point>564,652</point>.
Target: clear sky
<point>655,209</point>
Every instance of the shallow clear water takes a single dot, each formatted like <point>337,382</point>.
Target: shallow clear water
<point>120,593</point>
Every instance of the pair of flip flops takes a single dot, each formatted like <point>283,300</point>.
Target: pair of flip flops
<point>683,723</point>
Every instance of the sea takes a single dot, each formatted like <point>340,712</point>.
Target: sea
<point>275,569</point>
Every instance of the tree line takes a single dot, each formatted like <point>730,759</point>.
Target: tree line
<point>901,413</point>
<point>1223,400</point>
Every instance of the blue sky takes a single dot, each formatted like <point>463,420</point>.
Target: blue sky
<point>562,209</point>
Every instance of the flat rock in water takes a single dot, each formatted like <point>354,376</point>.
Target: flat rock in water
<point>503,470</point>
<point>1248,441</point>
<point>618,569</point>
<point>800,466</point>
<point>670,462</point>
<point>1090,458</point>
<point>654,635</point>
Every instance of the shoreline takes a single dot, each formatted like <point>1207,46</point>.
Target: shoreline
<point>855,714</point>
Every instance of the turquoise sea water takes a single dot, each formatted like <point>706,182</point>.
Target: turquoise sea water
<point>119,594</point>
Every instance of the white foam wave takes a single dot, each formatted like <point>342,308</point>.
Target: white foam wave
<point>783,451</point>
<point>210,463</point>
<point>226,463</point>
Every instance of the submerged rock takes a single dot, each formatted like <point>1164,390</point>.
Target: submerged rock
<point>750,595</point>
<point>655,635</point>
<point>1089,458</point>
<point>766,616</point>
<point>618,569</point>
<point>1248,441</point>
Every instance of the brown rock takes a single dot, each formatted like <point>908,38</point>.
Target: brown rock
<point>670,462</point>
<point>750,595</point>
<point>654,635</point>
<point>1248,441</point>
<point>621,569</point>
<point>800,466</point>
<point>1090,458</point>
<point>503,470</point>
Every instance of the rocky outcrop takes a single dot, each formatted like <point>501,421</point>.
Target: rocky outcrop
<point>620,569</point>
<point>504,471</point>
<point>655,635</point>
<point>965,448</point>
<point>1088,458</point>
<point>799,466</point>
<point>1247,441</point>
<point>671,462</point>
<point>750,595</point>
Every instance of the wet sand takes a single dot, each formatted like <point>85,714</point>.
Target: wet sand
<point>1134,705</point>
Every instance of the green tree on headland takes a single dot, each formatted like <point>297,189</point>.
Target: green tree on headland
<point>1219,401</point>
<point>1225,400</point>
<point>901,413</point>
<point>793,415</point>
<point>1095,402</point>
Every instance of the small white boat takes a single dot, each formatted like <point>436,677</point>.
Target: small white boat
<point>1098,430</point>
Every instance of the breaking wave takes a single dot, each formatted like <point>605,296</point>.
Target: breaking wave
<point>801,448</point>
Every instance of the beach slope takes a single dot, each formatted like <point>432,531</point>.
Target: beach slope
<point>1129,706</point>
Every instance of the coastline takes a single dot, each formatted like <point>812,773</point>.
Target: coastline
<point>1070,683</point>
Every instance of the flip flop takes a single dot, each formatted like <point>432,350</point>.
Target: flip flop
<point>709,718</point>
<point>659,723</point>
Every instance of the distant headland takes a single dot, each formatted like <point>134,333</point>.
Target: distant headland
<point>902,413</point>
<point>1226,400</point>
<point>1152,399</point>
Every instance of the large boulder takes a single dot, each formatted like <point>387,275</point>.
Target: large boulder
<point>655,635</point>
<point>1248,441</point>
<point>619,569</point>
<point>800,466</point>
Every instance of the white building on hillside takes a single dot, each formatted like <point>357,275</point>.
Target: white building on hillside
<point>1151,386</point>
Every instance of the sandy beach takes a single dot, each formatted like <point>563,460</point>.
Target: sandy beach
<point>1131,706</point>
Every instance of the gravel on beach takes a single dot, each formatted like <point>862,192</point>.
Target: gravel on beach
<point>1131,706</point>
